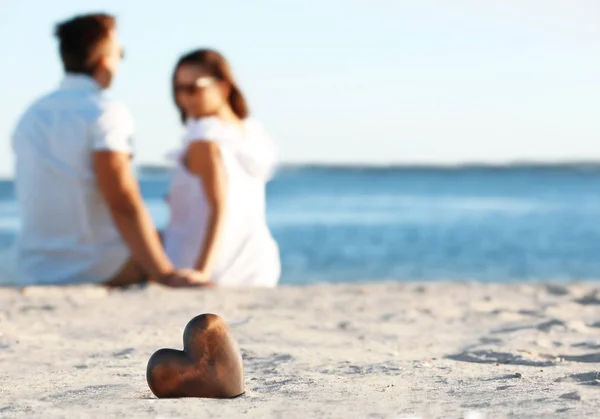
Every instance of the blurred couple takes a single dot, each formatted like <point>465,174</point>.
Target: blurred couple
<point>83,219</point>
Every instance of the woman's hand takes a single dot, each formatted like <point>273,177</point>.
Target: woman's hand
<point>187,278</point>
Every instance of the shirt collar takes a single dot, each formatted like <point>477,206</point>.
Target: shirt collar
<point>73,81</point>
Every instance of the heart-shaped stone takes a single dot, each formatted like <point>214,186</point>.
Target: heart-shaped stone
<point>210,365</point>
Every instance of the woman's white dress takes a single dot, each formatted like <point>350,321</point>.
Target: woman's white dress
<point>247,254</point>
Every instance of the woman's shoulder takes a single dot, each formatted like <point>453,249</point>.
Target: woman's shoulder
<point>213,129</point>
<point>255,128</point>
<point>204,129</point>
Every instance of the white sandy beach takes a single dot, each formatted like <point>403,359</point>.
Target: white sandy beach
<point>370,351</point>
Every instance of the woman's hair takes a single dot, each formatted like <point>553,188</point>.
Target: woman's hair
<point>213,62</point>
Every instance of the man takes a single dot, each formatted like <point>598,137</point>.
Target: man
<point>83,217</point>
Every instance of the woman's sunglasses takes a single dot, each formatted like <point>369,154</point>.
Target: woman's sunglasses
<point>190,89</point>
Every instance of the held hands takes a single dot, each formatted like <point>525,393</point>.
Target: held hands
<point>187,278</point>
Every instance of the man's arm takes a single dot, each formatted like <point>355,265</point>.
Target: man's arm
<point>121,192</point>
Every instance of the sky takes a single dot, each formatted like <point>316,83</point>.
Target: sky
<point>347,81</point>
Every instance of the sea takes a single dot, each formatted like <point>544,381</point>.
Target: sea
<point>513,223</point>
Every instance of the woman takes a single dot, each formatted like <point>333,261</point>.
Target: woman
<point>218,221</point>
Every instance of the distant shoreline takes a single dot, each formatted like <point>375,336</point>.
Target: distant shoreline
<point>580,166</point>
<point>575,165</point>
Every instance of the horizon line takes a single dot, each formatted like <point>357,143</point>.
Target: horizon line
<point>402,165</point>
<point>516,164</point>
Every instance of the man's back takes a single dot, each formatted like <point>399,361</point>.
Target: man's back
<point>68,235</point>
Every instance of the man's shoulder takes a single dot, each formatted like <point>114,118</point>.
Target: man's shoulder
<point>110,104</point>
<point>106,106</point>
<point>38,104</point>
<point>111,112</point>
<point>94,105</point>
<point>32,113</point>
<point>101,113</point>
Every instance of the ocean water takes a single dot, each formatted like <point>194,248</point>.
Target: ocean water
<point>416,224</point>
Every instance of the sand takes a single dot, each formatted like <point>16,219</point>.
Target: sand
<point>326,351</point>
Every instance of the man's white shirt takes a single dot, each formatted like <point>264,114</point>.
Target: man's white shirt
<point>67,233</point>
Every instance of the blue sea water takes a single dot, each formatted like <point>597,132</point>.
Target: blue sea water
<point>366,224</point>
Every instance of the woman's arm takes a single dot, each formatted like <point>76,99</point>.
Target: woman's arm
<point>203,158</point>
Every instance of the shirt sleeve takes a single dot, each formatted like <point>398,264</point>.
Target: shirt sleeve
<point>204,129</point>
<point>113,129</point>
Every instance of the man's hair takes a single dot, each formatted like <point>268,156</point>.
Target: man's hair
<point>82,39</point>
